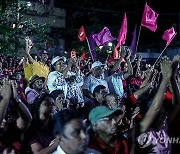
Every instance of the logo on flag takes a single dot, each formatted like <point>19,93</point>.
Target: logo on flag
<point>82,34</point>
<point>149,19</point>
<point>169,35</point>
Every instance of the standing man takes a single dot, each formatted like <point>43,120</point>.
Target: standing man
<point>33,67</point>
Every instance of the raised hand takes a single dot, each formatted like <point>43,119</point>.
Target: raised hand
<point>6,91</point>
<point>29,44</point>
<point>128,53</point>
<point>166,68</point>
<point>175,63</point>
<point>14,89</point>
<point>123,52</point>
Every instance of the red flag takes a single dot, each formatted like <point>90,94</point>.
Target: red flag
<point>82,34</point>
<point>122,33</point>
<point>115,53</point>
<point>169,35</point>
<point>149,19</point>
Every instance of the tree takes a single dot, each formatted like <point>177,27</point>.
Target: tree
<point>14,28</point>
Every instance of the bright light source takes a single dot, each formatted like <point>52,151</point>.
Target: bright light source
<point>110,44</point>
<point>28,4</point>
<point>100,47</point>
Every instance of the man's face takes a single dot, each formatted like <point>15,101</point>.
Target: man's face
<point>113,101</point>
<point>108,124</point>
<point>38,84</point>
<point>44,57</point>
<point>74,138</point>
<point>60,65</point>
<point>101,95</point>
<point>97,71</point>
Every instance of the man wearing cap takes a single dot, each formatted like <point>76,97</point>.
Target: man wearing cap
<point>95,79</point>
<point>33,67</point>
<point>36,87</point>
<point>103,131</point>
<point>56,79</point>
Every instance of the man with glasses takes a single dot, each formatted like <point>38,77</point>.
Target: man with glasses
<point>103,131</point>
<point>71,135</point>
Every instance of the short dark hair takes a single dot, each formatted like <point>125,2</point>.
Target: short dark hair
<point>60,119</point>
<point>97,89</point>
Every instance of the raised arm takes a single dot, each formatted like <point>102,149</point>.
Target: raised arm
<point>25,118</point>
<point>158,99</point>
<point>28,48</point>
<point>70,63</point>
<point>6,93</point>
<point>122,55</point>
<point>175,90</point>
<point>130,69</point>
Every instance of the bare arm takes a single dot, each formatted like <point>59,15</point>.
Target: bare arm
<point>122,55</point>
<point>142,90</point>
<point>70,63</point>
<point>24,121</point>
<point>130,69</point>
<point>158,99</point>
<point>38,149</point>
<point>175,90</point>
<point>6,93</point>
<point>28,48</point>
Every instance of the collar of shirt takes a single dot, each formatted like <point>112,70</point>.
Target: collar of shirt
<point>59,150</point>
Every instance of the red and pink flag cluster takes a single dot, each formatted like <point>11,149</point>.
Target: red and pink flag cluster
<point>149,20</point>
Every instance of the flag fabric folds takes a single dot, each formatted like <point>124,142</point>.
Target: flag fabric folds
<point>133,43</point>
<point>169,35</point>
<point>103,37</point>
<point>122,32</point>
<point>82,34</point>
<point>149,19</point>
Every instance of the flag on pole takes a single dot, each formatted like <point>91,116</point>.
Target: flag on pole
<point>92,45</point>
<point>122,32</point>
<point>103,37</point>
<point>149,19</point>
<point>82,34</point>
<point>133,43</point>
<point>169,35</point>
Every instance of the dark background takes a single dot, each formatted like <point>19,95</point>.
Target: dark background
<point>95,14</point>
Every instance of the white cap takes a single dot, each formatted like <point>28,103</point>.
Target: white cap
<point>55,59</point>
<point>96,64</point>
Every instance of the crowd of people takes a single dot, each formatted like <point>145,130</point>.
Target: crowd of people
<point>66,105</point>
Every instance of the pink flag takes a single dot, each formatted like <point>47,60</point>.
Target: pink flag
<point>169,35</point>
<point>149,19</point>
<point>81,34</point>
<point>122,33</point>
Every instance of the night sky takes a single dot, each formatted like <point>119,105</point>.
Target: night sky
<point>95,14</point>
